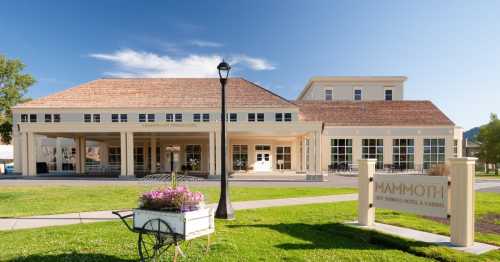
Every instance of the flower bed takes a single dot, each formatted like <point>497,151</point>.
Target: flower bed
<point>174,199</point>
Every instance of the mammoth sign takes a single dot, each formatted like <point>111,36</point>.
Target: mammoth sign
<point>419,194</point>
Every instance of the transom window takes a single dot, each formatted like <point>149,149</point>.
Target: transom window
<point>341,153</point>
<point>33,118</point>
<point>374,149</point>
<point>262,147</point>
<point>240,157</point>
<point>403,153</point>
<point>388,94</point>
<point>328,95</point>
<point>434,152</point>
<point>358,94</point>
<point>283,157</point>
<point>193,157</point>
<point>24,118</point>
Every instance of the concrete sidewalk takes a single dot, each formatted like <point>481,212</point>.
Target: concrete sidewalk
<point>97,216</point>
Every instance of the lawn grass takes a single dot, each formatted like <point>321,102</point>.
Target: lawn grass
<point>491,175</point>
<point>486,203</point>
<point>298,233</point>
<point>18,201</point>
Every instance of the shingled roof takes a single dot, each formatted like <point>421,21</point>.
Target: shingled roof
<point>160,93</point>
<point>373,113</point>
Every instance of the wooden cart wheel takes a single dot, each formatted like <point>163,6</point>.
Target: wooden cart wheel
<point>155,238</point>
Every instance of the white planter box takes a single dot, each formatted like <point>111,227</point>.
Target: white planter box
<point>190,224</point>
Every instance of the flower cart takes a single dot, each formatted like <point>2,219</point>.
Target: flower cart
<point>165,218</point>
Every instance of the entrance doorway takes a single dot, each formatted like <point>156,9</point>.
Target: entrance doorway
<point>263,158</point>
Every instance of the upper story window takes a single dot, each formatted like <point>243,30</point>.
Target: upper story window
<point>358,94</point>
<point>206,117</point>
<point>278,117</point>
<point>233,117</point>
<point>114,118</point>
<point>151,117</point>
<point>251,117</point>
<point>24,118</point>
<point>288,117</point>
<point>169,117</point>
<point>57,118</point>
<point>142,118</point>
<point>33,118</point>
<point>196,117</point>
<point>96,118</point>
<point>388,94</point>
<point>260,117</point>
<point>328,95</point>
<point>123,118</point>
<point>87,118</point>
<point>48,118</point>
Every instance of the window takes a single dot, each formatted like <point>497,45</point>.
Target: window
<point>240,157</point>
<point>151,117</point>
<point>178,117</point>
<point>341,153</point>
<point>288,117</point>
<point>433,152</point>
<point>233,117</point>
<point>262,147</point>
<point>388,94</point>
<point>403,153</point>
<point>260,117</point>
<point>142,118</point>
<point>57,118</point>
<point>169,117</point>
<point>357,94</point>
<point>114,157</point>
<point>24,118</point>
<point>33,118</point>
<point>196,117</point>
<point>123,117</point>
<point>283,157</point>
<point>374,149</point>
<point>87,118</point>
<point>97,118</point>
<point>455,148</point>
<point>307,147</point>
<point>139,158</point>
<point>114,118</point>
<point>328,95</point>
<point>251,117</point>
<point>206,117</point>
<point>278,117</point>
<point>48,118</point>
<point>193,157</point>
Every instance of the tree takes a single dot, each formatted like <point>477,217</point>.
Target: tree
<point>13,86</point>
<point>489,138</point>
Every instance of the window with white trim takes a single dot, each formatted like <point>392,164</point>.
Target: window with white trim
<point>240,157</point>
<point>115,118</point>
<point>24,118</point>
<point>48,118</point>
<point>233,117</point>
<point>434,152</point>
<point>328,94</point>
<point>87,118</point>
<point>196,117</point>
<point>403,153</point>
<point>288,117</point>
<point>455,148</point>
<point>151,117</point>
<point>260,117</point>
<point>57,118</point>
<point>193,157</point>
<point>123,118</point>
<point>251,117</point>
<point>142,118</point>
<point>206,117</point>
<point>341,153</point>
<point>373,149</point>
<point>33,118</point>
<point>96,118</point>
<point>278,117</point>
<point>388,95</point>
<point>358,94</point>
<point>283,157</point>
<point>178,117</point>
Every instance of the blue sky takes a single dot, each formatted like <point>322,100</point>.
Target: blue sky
<point>449,51</point>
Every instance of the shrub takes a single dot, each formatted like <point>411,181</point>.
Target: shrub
<point>439,170</point>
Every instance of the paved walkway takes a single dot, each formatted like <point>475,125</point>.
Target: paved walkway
<point>91,217</point>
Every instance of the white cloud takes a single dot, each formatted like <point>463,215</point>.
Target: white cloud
<point>201,43</point>
<point>254,63</point>
<point>131,63</point>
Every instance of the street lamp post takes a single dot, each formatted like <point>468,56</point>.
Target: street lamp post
<point>224,209</point>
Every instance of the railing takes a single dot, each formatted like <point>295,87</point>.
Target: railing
<point>346,168</point>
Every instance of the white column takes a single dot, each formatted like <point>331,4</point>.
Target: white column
<point>130,153</point>
<point>31,154</point>
<point>153,154</point>
<point>388,150</point>
<point>145,147</point>
<point>58,154</point>
<point>419,152</point>
<point>217,153</point>
<point>18,155</point>
<point>366,211</point>
<point>78,166</point>
<point>24,153</point>
<point>104,151</point>
<point>462,172</point>
<point>317,153</point>
<point>123,153</point>
<point>211,153</point>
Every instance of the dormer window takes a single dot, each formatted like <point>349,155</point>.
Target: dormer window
<point>388,95</point>
<point>358,94</point>
<point>328,95</point>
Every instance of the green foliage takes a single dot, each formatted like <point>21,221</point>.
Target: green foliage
<point>489,137</point>
<point>13,86</point>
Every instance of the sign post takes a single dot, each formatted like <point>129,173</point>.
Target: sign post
<point>366,210</point>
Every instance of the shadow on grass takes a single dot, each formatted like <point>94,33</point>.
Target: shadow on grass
<point>70,257</point>
<point>337,236</point>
